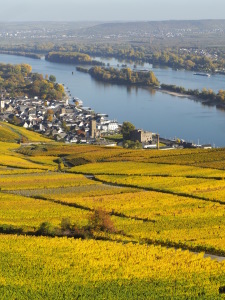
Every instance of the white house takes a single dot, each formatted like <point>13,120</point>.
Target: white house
<point>109,126</point>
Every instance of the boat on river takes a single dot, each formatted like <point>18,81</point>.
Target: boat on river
<point>202,74</point>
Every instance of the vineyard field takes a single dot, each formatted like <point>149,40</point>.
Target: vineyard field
<point>66,269</point>
<point>144,169</point>
<point>95,222</point>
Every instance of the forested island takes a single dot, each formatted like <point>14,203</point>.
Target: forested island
<point>72,58</point>
<point>122,76</point>
<point>18,80</point>
<point>208,95</point>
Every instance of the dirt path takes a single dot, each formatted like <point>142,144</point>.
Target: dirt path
<point>213,257</point>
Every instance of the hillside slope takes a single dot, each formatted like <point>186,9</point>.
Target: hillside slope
<point>92,222</point>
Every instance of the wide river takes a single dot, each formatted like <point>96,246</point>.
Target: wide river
<point>168,115</point>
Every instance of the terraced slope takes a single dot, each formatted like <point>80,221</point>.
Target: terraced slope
<point>86,222</point>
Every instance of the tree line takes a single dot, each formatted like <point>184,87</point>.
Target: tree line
<point>178,58</point>
<point>212,59</point>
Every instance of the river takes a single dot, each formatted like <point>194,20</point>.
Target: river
<point>151,110</point>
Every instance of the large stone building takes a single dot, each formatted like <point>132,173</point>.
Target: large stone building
<point>141,136</point>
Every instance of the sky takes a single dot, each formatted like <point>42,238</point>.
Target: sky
<point>110,10</point>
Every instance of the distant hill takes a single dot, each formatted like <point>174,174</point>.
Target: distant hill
<point>157,26</point>
<point>165,33</point>
<point>206,31</point>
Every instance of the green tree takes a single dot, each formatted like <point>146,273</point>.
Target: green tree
<point>66,224</point>
<point>16,121</point>
<point>132,145</point>
<point>52,78</point>
<point>46,229</point>
<point>65,127</point>
<point>127,127</point>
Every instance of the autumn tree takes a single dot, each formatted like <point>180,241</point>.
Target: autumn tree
<point>50,114</point>
<point>100,220</point>
<point>221,95</point>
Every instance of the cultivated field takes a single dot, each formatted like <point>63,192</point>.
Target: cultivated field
<point>90,222</point>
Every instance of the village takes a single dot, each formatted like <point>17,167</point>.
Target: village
<point>68,121</point>
<point>57,119</point>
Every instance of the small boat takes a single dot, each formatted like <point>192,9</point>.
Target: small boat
<point>77,101</point>
<point>202,74</point>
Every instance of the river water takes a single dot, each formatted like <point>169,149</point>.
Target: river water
<point>151,110</point>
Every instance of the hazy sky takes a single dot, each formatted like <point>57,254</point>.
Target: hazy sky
<point>110,10</point>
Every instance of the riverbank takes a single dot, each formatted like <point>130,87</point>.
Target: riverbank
<point>209,102</point>
<point>180,95</point>
<point>177,94</point>
<point>24,54</point>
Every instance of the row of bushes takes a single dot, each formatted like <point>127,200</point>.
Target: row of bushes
<point>98,221</point>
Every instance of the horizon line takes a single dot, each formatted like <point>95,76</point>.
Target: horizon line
<point>109,21</point>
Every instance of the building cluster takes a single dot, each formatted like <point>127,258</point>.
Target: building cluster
<point>73,123</point>
<point>57,119</point>
<point>200,52</point>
